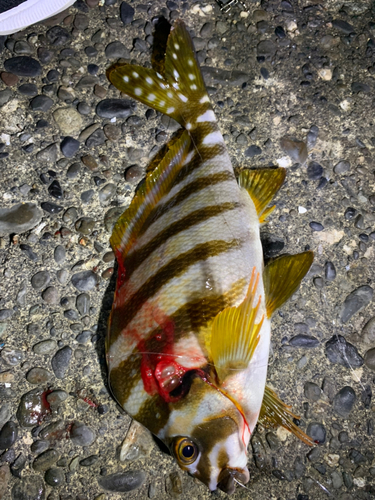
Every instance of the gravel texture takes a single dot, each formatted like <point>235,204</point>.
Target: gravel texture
<point>292,84</point>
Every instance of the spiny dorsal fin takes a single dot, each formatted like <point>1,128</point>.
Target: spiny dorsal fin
<point>235,334</point>
<point>275,412</point>
<point>156,185</point>
<point>262,185</point>
<point>282,277</point>
<point>179,91</point>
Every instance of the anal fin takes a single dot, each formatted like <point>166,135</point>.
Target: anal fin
<point>282,277</point>
<point>235,334</point>
<point>275,412</point>
<point>262,185</point>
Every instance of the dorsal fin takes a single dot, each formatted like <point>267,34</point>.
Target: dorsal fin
<point>179,91</point>
<point>235,334</point>
<point>262,184</point>
<point>282,277</point>
<point>275,412</point>
<point>157,184</point>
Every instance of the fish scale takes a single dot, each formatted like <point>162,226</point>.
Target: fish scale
<point>189,331</point>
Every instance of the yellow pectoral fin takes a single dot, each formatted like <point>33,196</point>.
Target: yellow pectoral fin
<point>235,334</point>
<point>282,277</point>
<point>275,412</point>
<point>262,185</point>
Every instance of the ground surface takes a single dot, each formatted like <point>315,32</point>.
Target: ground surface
<point>277,74</point>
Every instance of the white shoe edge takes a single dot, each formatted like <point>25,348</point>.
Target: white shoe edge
<point>29,13</point>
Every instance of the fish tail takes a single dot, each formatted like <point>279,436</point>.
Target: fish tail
<point>179,92</point>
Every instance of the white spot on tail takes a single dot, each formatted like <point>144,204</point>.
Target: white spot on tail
<point>162,103</point>
<point>190,62</point>
<point>208,116</point>
<point>138,91</point>
<point>170,95</point>
<point>170,110</point>
<point>175,74</point>
<point>175,85</point>
<point>183,97</point>
<point>151,97</point>
<point>149,80</point>
<point>191,76</point>
<point>126,78</point>
<point>204,99</point>
<point>162,85</point>
<point>188,126</point>
<point>176,46</point>
<point>159,76</point>
<point>174,56</point>
<point>135,74</point>
<point>213,138</point>
<point>193,87</point>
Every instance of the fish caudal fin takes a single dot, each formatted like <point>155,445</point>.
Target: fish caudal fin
<point>275,412</point>
<point>179,92</point>
<point>282,277</point>
<point>235,334</point>
<point>262,185</point>
<point>156,185</point>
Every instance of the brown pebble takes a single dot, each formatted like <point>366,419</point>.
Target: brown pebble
<point>107,273</point>
<point>104,159</point>
<point>107,174</point>
<point>108,257</point>
<point>9,79</point>
<point>89,162</point>
<point>100,91</point>
<point>92,3</point>
<point>112,132</point>
<point>133,174</point>
<point>68,20</point>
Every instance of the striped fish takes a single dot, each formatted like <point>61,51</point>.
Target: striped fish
<point>189,332</point>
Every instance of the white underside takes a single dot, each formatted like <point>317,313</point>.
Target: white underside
<point>30,12</point>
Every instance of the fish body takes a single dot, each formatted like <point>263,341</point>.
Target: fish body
<point>189,332</point>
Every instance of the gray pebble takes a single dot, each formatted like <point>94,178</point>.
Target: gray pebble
<point>41,103</point>
<point>82,435</point>
<point>341,167</point>
<point>8,435</point>
<point>115,50</point>
<point>5,314</point>
<point>360,87</point>
<point>122,482</point>
<point>40,280</point>
<point>39,446</point>
<point>19,218</point>
<point>38,376</point>
<point>48,154</point>
<point>83,304</point>
<point>355,301</point>
<point>295,149</point>
<point>119,108</point>
<point>341,352</point>
<point>312,136</point>
<point>252,151</point>
<point>44,461</point>
<point>51,295</point>
<point>312,391</point>
<point>87,196</point>
<point>5,95</point>
<point>62,276</point>
<point>370,359</point>
<point>303,340</point>
<point>317,432</point>
<point>32,408</point>
<point>344,401</point>
<point>316,226</point>
<point>45,346</point>
<point>314,171</point>
<point>88,461</point>
<point>343,26</point>
<point>69,146</point>
<point>54,476</point>
<point>56,397</point>
<point>84,337</point>
<point>96,139</point>
<point>73,170</point>
<point>126,13</point>
<point>59,254</point>
<point>106,193</point>
<point>23,66</point>
<point>266,49</point>
<point>84,281</point>
<point>329,271</point>
<point>60,361</point>
<point>29,488</point>
<point>57,36</point>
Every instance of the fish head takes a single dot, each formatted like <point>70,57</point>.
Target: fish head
<point>208,436</point>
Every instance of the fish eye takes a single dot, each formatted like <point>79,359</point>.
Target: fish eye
<point>185,450</point>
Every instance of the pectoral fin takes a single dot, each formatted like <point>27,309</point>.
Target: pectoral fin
<point>275,412</point>
<point>235,334</point>
<point>262,185</point>
<point>282,277</point>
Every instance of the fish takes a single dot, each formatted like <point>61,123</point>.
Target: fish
<point>188,335</point>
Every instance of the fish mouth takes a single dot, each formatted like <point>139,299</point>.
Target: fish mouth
<point>228,476</point>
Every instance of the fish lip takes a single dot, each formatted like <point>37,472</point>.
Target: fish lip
<point>228,476</point>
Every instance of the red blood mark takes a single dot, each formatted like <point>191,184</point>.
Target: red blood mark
<point>45,407</point>
<point>81,394</point>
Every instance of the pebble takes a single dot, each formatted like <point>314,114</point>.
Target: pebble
<point>126,13</point>
<point>96,139</point>
<point>44,461</point>
<point>9,79</point>
<point>370,359</point>
<point>137,444</point>
<point>317,432</point>
<point>84,337</point>
<point>314,171</point>
<point>54,476</point>
<point>8,435</point>
<point>30,487</point>
<point>41,103</point>
<point>343,26</point>
<point>111,108</point>
<point>344,401</point>
<point>68,120</point>
<point>295,149</point>
<point>115,50</point>
<point>121,482</point>
<point>312,391</point>
<point>4,480</point>
<point>266,49</point>
<point>51,208</point>
<point>303,340</point>
<point>45,346</point>
<point>69,146</point>
<point>19,218</point>
<point>83,304</point>
<point>40,280</point>
<point>312,137</point>
<point>56,397</point>
<point>29,251</point>
<point>23,66</point>
<point>82,435</point>
<point>252,151</point>
<point>5,95</point>
<point>73,171</point>
<point>341,167</point>
<point>51,295</point>
<point>316,226</point>
<point>60,361</point>
<point>55,189</point>
<point>85,281</point>
<point>38,376</point>
<point>32,408</point>
<point>360,87</point>
<point>57,36</point>
<point>59,254</point>
<point>106,193</point>
<point>341,352</point>
<point>329,271</point>
<point>355,302</point>
<point>85,225</point>
<point>87,196</point>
